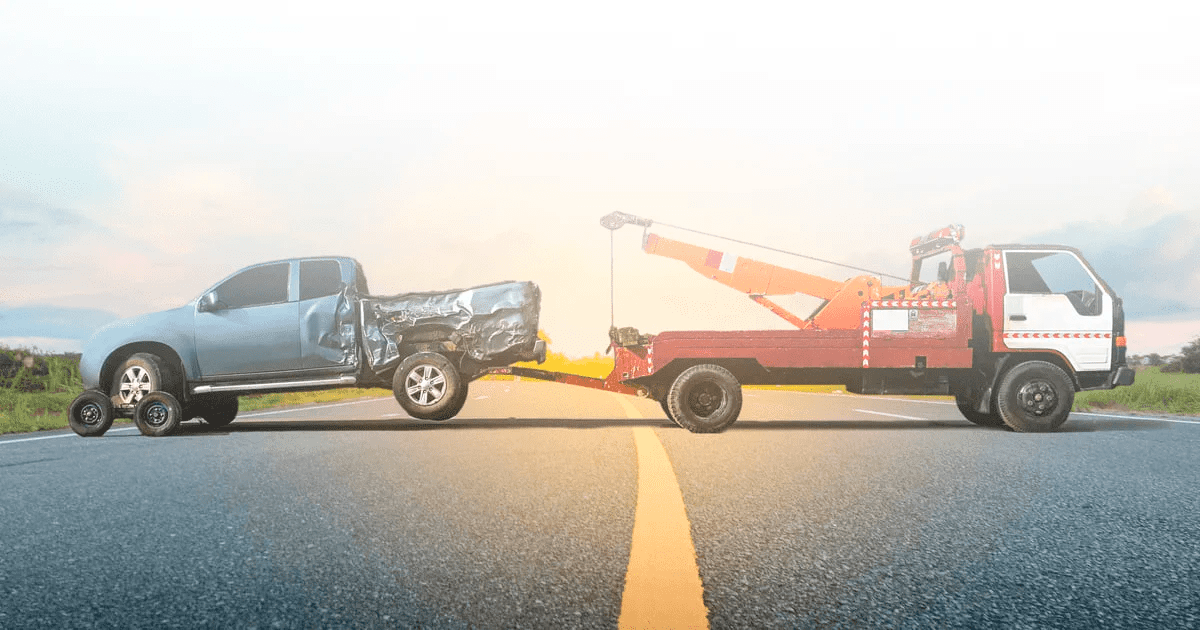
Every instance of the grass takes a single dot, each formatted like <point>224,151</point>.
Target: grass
<point>268,401</point>
<point>36,389</point>
<point>1152,390</point>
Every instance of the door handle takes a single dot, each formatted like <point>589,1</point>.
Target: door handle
<point>1016,318</point>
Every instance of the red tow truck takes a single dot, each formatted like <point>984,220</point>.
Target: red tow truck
<point>1011,331</point>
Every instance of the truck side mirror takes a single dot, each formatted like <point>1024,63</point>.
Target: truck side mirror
<point>208,303</point>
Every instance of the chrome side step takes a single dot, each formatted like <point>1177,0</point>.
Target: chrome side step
<point>249,387</point>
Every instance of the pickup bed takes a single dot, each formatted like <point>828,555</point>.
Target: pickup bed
<point>302,324</point>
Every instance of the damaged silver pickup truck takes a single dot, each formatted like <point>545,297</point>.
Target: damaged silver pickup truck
<point>302,324</point>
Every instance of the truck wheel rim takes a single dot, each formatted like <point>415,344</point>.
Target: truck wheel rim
<point>156,414</point>
<point>425,385</point>
<point>1037,398</point>
<point>135,384</point>
<point>90,414</point>
<point>705,399</point>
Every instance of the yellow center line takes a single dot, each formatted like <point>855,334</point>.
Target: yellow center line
<point>662,583</point>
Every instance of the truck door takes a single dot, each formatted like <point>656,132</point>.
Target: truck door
<point>251,324</point>
<point>327,316</point>
<point>1054,302</point>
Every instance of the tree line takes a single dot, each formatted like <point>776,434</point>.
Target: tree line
<point>1187,361</point>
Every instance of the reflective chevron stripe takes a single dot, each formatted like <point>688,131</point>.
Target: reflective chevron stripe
<point>914,304</point>
<point>1043,335</point>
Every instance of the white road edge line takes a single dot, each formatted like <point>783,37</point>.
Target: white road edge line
<point>60,435</point>
<point>255,414</point>
<point>1155,418</point>
<point>890,415</point>
<point>844,397</point>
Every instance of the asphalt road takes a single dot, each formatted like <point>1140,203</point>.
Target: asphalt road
<point>811,511</point>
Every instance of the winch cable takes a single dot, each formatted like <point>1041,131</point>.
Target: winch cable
<point>784,251</point>
<point>612,279</point>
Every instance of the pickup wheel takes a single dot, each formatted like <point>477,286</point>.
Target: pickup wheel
<point>217,411</point>
<point>158,414</point>
<point>1035,397</point>
<point>429,387</point>
<point>705,399</point>
<point>967,407</point>
<point>139,375</point>
<point>91,414</point>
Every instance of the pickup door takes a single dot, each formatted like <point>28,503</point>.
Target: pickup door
<point>251,325</point>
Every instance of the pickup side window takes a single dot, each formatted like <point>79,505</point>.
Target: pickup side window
<point>1054,273</point>
<point>319,278</point>
<point>257,286</point>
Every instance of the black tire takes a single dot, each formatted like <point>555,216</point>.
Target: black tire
<point>967,407</point>
<point>215,411</point>
<point>429,387</point>
<point>1035,397</point>
<point>667,410</point>
<point>157,414</point>
<point>91,414</point>
<point>705,399</point>
<point>135,378</point>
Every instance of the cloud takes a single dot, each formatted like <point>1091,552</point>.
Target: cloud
<point>1151,259</point>
<point>25,220</point>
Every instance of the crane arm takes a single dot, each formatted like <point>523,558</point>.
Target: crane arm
<point>743,274</point>
<point>843,299</point>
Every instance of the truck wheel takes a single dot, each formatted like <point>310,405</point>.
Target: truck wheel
<point>428,387</point>
<point>217,411</point>
<point>705,399</point>
<point>139,375</point>
<point>1035,397</point>
<point>967,407</point>
<point>667,410</point>
<point>91,414</point>
<point>157,414</point>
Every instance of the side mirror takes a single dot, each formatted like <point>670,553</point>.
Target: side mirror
<point>207,303</point>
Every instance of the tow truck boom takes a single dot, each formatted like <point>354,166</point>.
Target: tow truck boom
<point>841,310</point>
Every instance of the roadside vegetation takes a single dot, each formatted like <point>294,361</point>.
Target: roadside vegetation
<point>1153,390</point>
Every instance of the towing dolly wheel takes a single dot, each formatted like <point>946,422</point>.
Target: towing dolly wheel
<point>91,414</point>
<point>429,387</point>
<point>158,414</point>
<point>705,399</point>
<point>1035,397</point>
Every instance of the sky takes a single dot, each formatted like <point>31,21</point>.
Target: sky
<point>147,150</point>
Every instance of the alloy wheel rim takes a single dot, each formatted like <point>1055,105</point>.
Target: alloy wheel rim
<point>425,385</point>
<point>135,384</point>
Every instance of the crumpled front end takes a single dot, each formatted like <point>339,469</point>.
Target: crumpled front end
<point>491,325</point>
